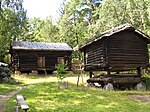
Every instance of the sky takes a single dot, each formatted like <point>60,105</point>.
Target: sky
<point>42,8</point>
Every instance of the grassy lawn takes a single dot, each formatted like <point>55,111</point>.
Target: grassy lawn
<point>43,96</point>
<point>5,88</point>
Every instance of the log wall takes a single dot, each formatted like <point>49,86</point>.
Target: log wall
<point>94,55</point>
<point>23,60</point>
<point>126,51</point>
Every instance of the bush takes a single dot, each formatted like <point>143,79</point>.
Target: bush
<point>61,70</point>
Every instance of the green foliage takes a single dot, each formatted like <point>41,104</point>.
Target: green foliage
<point>84,19</point>
<point>41,30</point>
<point>113,13</point>
<point>61,70</point>
<point>49,31</point>
<point>12,22</point>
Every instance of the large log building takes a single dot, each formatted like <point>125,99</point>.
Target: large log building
<point>27,56</point>
<point>122,48</point>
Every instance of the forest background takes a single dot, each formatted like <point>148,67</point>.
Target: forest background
<point>79,20</point>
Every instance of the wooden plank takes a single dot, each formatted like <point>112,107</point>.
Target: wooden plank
<point>22,102</point>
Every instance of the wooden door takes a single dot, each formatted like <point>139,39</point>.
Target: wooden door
<point>61,60</point>
<point>41,62</point>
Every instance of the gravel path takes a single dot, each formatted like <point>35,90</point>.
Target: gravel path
<point>5,97</point>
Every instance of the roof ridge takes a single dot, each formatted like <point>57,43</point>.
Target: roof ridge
<point>112,31</point>
<point>40,46</point>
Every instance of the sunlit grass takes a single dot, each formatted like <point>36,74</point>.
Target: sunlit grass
<point>25,79</point>
<point>43,96</point>
<point>5,88</point>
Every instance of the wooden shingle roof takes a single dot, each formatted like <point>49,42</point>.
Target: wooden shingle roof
<point>20,45</point>
<point>115,30</point>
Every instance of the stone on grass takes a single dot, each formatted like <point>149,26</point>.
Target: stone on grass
<point>34,71</point>
<point>90,84</point>
<point>109,87</point>
<point>5,79</point>
<point>54,73</point>
<point>141,86</point>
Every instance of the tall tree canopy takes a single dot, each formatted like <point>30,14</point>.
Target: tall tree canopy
<point>12,21</point>
<point>41,30</point>
<point>85,18</point>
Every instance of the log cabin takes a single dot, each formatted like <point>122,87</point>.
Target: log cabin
<point>28,56</point>
<point>122,48</point>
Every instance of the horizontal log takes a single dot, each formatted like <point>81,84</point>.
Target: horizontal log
<point>130,42</point>
<point>126,46</point>
<point>95,61</point>
<point>127,62</point>
<point>95,52</point>
<point>96,58</point>
<point>127,59</point>
<point>127,55</point>
<point>126,49</point>
<point>116,79</point>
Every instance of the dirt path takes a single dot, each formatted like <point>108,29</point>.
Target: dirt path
<point>4,98</point>
<point>141,98</point>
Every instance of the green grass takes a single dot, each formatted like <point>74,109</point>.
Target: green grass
<point>45,97</point>
<point>5,88</point>
<point>9,86</point>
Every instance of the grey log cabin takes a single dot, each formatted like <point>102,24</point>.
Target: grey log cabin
<point>27,56</point>
<point>122,48</point>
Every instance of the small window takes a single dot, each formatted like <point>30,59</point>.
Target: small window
<point>41,62</point>
<point>60,60</point>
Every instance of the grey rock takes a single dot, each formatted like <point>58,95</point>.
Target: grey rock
<point>5,79</point>
<point>90,84</point>
<point>141,86</point>
<point>108,87</point>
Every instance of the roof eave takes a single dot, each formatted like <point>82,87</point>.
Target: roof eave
<point>41,49</point>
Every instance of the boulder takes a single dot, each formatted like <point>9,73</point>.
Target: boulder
<point>54,73</point>
<point>108,87</point>
<point>5,79</point>
<point>90,84</point>
<point>141,86</point>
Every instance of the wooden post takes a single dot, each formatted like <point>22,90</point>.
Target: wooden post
<point>139,71</point>
<point>58,85</point>
<point>79,69</point>
<point>91,74</point>
<point>117,72</point>
<point>78,79</point>
<point>108,72</point>
<point>82,79</point>
<point>66,85</point>
<point>45,72</point>
<point>16,108</point>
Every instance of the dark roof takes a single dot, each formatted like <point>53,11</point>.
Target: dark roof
<point>19,45</point>
<point>115,30</point>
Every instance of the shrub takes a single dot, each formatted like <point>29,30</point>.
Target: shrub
<point>61,70</point>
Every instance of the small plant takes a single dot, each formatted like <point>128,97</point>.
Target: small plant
<point>61,70</point>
